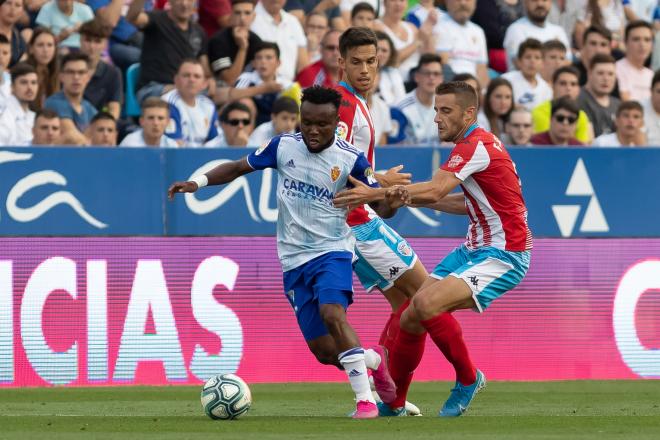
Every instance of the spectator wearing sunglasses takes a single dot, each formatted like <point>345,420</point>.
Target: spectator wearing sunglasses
<point>324,72</point>
<point>236,124</point>
<point>563,122</point>
<point>518,127</point>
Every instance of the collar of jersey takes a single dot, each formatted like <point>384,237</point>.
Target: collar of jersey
<point>350,88</point>
<point>470,130</point>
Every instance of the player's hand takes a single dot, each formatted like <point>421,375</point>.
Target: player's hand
<point>393,177</point>
<point>398,196</point>
<point>181,187</point>
<point>354,197</point>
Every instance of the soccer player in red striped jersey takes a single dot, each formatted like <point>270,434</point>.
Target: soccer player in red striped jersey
<point>385,260</point>
<point>493,260</point>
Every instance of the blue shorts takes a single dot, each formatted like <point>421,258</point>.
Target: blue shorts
<point>489,272</point>
<point>326,279</point>
<point>382,255</point>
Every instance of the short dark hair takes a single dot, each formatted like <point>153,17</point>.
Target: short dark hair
<point>465,93</point>
<point>428,58</point>
<point>356,37</point>
<point>3,38</point>
<point>465,77</point>
<point>46,113</point>
<point>597,29</point>
<point>553,45</point>
<point>656,78</point>
<point>601,58</point>
<point>74,56</point>
<point>21,69</point>
<point>529,44</point>
<point>322,95</point>
<point>285,104</point>
<point>629,105</point>
<point>565,69</point>
<point>96,29</point>
<point>362,6</point>
<point>265,45</point>
<point>154,102</point>
<point>564,103</point>
<point>103,115</point>
<point>238,2</point>
<point>394,54</point>
<point>234,105</point>
<point>637,24</point>
<point>190,60</point>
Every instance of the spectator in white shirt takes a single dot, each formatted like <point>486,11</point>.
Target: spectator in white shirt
<point>5,77</point>
<point>103,130</point>
<point>390,83</point>
<point>533,25</point>
<point>153,122</point>
<point>418,105</point>
<point>283,120</point>
<point>46,129</point>
<point>461,43</point>
<point>634,78</point>
<point>652,113</point>
<point>192,114</point>
<point>274,24</point>
<point>17,120</point>
<point>529,88</point>
<point>497,106</point>
<point>236,124</point>
<point>629,127</point>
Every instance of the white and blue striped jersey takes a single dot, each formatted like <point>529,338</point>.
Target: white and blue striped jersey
<point>308,224</point>
<point>194,125</point>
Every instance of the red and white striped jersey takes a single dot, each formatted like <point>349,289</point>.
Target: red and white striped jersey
<point>357,128</point>
<point>493,197</point>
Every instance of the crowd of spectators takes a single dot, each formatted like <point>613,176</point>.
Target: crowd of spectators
<point>216,73</point>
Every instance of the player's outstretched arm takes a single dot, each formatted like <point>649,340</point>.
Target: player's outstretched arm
<point>453,203</point>
<point>427,194</point>
<point>393,177</point>
<point>223,173</point>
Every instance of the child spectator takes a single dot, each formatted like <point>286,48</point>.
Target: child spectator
<point>42,55</point>
<point>634,78</point>
<point>629,126</point>
<point>153,122</point>
<point>529,88</point>
<point>562,124</point>
<point>64,18</point>
<point>263,84</point>
<point>554,57</point>
<point>363,15</point>
<point>103,130</point>
<point>283,120</point>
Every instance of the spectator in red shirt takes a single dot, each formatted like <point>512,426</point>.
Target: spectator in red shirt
<point>562,124</point>
<point>325,71</point>
<point>214,15</point>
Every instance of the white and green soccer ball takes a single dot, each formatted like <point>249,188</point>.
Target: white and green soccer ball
<point>226,397</point>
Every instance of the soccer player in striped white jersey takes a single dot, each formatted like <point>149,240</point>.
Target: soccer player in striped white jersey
<point>385,260</point>
<point>314,243</point>
<point>493,260</point>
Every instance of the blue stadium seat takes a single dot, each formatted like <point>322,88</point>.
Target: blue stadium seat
<point>132,106</point>
<point>492,73</point>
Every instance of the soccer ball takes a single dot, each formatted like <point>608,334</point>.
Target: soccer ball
<point>226,397</point>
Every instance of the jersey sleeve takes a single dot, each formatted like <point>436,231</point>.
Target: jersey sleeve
<point>363,172</point>
<point>174,130</point>
<point>466,159</point>
<point>266,156</point>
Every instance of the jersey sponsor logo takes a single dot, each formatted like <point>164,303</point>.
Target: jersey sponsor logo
<point>455,161</point>
<point>335,173</point>
<point>369,174</point>
<point>404,249</point>
<point>342,130</point>
<point>307,191</point>
<point>567,215</point>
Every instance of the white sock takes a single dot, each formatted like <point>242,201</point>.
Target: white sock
<point>371,359</point>
<point>353,362</point>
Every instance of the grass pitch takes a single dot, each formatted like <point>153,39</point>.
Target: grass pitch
<point>504,410</point>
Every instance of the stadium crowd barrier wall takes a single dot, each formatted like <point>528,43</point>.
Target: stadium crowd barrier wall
<point>97,289</point>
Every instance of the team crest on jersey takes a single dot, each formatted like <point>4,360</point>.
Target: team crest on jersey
<point>335,173</point>
<point>455,161</point>
<point>369,174</point>
<point>404,249</point>
<point>342,130</point>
